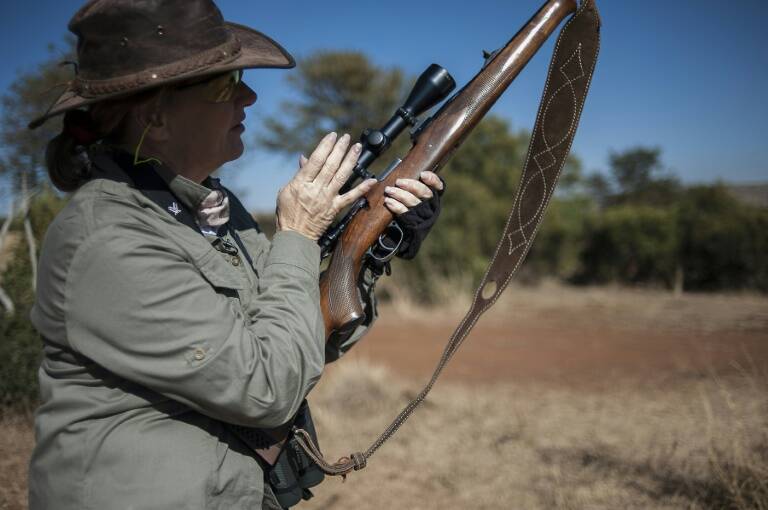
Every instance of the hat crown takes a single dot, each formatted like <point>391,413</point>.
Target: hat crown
<point>129,46</point>
<point>117,38</point>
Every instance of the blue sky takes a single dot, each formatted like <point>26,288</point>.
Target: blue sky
<point>684,75</point>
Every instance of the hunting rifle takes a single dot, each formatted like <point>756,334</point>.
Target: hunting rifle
<point>359,234</point>
<point>433,144</point>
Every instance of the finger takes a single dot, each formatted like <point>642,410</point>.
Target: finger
<point>405,197</point>
<point>333,162</point>
<point>352,195</point>
<point>317,159</point>
<point>417,188</point>
<point>394,206</point>
<point>346,167</point>
<point>432,180</point>
<point>302,160</point>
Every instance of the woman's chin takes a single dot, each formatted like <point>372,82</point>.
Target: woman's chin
<point>236,148</point>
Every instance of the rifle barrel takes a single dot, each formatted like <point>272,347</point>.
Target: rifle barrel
<point>340,298</point>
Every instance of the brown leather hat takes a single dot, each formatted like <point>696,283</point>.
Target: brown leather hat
<point>126,46</point>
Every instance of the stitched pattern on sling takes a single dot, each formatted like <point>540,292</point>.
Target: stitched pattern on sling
<point>569,81</point>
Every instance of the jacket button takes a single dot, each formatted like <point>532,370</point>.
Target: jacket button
<point>199,354</point>
<point>235,260</point>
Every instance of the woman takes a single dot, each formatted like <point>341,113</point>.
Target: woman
<point>167,317</point>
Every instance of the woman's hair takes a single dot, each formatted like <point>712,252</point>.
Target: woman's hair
<point>66,156</point>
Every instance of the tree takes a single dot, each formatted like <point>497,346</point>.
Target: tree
<point>599,188</point>
<point>652,230</point>
<point>341,91</point>
<point>344,91</point>
<point>634,168</point>
<point>22,166</point>
<point>636,176</point>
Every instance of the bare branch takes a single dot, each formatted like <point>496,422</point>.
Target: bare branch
<point>5,299</point>
<point>6,224</point>
<point>7,303</point>
<point>32,244</point>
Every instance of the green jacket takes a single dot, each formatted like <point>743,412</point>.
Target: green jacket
<point>153,339</point>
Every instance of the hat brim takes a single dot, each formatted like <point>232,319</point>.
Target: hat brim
<point>257,51</point>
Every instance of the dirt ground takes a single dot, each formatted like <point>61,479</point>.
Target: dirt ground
<point>569,335</point>
<point>568,398</point>
<point>561,398</point>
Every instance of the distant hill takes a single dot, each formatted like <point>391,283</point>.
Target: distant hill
<point>753,194</point>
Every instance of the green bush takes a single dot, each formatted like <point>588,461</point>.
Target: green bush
<point>21,343</point>
<point>723,241</point>
<point>631,244</point>
<point>716,241</point>
<point>558,245</point>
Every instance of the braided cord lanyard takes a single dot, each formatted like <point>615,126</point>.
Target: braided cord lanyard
<point>570,73</point>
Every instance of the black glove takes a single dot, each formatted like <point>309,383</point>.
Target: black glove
<point>417,222</point>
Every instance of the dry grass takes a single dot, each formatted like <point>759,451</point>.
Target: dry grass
<point>16,439</point>
<point>622,307</point>
<point>698,444</point>
<point>667,437</point>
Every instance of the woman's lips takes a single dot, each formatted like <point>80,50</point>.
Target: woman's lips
<point>239,124</point>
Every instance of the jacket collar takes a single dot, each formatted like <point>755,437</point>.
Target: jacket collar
<point>188,192</point>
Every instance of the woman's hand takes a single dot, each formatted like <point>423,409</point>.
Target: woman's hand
<point>416,206</point>
<point>310,201</point>
<point>408,193</point>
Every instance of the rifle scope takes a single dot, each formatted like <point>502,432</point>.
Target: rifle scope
<point>431,87</point>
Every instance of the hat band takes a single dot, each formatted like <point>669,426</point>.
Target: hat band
<point>221,54</point>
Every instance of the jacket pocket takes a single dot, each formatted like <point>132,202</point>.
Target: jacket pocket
<point>223,271</point>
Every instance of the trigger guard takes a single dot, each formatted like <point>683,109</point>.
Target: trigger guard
<point>387,244</point>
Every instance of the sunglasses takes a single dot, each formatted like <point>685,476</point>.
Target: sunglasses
<point>219,88</point>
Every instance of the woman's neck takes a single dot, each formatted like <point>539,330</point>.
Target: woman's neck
<point>191,170</point>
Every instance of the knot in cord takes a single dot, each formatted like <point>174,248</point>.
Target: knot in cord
<point>359,460</point>
<point>341,467</point>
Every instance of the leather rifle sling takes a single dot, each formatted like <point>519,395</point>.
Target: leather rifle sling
<point>568,79</point>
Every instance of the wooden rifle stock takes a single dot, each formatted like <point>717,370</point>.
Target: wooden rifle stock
<point>340,299</point>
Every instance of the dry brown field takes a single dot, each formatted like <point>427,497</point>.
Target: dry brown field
<point>566,398</point>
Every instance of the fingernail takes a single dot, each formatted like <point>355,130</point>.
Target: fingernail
<point>399,182</point>
<point>345,136</point>
<point>332,134</point>
<point>388,189</point>
<point>357,147</point>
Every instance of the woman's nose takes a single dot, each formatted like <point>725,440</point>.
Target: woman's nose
<point>245,95</point>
